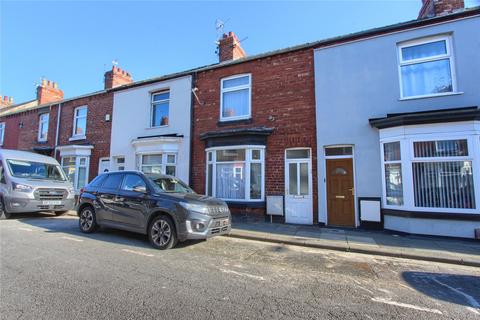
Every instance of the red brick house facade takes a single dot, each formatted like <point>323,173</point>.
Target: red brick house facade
<point>282,117</point>
<point>83,136</point>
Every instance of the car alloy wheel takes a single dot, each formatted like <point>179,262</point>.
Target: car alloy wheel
<point>87,221</point>
<point>161,233</point>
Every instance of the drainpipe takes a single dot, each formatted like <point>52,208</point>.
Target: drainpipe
<point>192,99</point>
<point>59,112</point>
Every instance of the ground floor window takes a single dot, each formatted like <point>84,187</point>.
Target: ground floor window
<point>437,172</point>
<point>119,163</point>
<point>236,173</point>
<point>76,168</point>
<point>163,163</point>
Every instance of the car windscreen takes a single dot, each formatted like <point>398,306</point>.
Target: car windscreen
<point>170,185</point>
<point>35,170</point>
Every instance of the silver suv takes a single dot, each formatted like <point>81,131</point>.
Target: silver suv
<point>30,182</point>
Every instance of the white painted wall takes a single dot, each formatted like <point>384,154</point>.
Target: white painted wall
<point>131,120</point>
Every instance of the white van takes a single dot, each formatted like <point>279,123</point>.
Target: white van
<point>30,182</point>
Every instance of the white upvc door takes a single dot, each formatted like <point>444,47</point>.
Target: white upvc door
<point>104,165</point>
<point>298,190</point>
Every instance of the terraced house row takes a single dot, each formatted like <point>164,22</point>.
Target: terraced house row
<point>377,129</point>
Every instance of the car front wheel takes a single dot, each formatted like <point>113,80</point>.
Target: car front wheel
<point>87,220</point>
<point>161,233</point>
<point>3,211</point>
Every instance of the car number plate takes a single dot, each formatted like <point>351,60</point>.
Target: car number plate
<point>51,202</point>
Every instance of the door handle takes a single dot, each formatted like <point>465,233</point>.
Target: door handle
<point>340,197</point>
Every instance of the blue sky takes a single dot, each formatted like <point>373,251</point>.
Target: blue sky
<point>74,43</point>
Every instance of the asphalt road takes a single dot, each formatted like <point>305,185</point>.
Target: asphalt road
<point>49,270</point>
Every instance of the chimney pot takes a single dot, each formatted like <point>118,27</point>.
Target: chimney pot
<point>229,48</point>
<point>116,77</point>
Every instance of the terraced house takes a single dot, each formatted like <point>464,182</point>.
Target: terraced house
<point>374,129</point>
<point>75,130</point>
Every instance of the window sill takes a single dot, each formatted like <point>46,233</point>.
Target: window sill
<point>248,120</point>
<point>158,127</point>
<point>431,96</point>
<point>75,138</point>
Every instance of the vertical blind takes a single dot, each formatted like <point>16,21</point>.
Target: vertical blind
<point>447,182</point>
<point>444,184</point>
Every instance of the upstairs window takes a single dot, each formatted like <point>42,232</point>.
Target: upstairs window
<point>80,122</point>
<point>160,109</point>
<point>426,67</point>
<point>2,132</point>
<point>43,127</point>
<point>235,99</point>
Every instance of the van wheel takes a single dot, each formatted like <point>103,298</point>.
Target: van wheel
<point>87,220</point>
<point>3,211</point>
<point>162,233</point>
<point>60,213</point>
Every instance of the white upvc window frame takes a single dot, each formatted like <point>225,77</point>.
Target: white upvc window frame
<point>449,55</point>
<point>77,166</point>
<point>248,161</point>
<point>2,132</point>
<point>153,103</point>
<point>43,124</point>
<point>237,88</point>
<point>408,158</point>
<point>75,118</point>
<point>164,163</point>
<point>384,163</point>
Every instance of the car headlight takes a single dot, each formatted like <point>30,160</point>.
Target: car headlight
<point>199,208</point>
<point>22,187</point>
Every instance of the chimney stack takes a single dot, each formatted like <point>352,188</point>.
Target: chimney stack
<point>229,48</point>
<point>48,91</point>
<point>117,77</point>
<point>433,8</point>
<point>6,101</point>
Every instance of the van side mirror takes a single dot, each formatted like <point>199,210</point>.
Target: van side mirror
<point>140,189</point>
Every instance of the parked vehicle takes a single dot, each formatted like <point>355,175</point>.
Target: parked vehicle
<point>30,182</point>
<point>160,206</point>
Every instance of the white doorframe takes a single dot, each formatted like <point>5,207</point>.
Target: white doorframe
<point>309,206</point>
<point>325,196</point>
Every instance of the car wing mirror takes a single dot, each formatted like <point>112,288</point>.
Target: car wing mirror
<point>140,189</point>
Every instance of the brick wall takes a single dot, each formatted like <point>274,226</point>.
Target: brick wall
<point>98,130</point>
<point>282,87</point>
<point>25,137</point>
<point>10,138</point>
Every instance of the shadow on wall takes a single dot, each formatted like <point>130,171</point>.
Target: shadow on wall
<point>454,288</point>
<point>69,226</point>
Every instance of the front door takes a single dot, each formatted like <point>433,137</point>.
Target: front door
<point>298,187</point>
<point>340,192</point>
<point>104,165</point>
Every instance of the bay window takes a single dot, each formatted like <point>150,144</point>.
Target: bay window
<point>393,173</point>
<point>426,67</point>
<point>431,174</point>
<point>236,173</point>
<point>162,163</point>
<point>442,174</point>
<point>235,98</point>
<point>76,168</point>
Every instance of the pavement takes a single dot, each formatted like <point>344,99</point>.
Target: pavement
<point>50,270</point>
<point>383,243</point>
